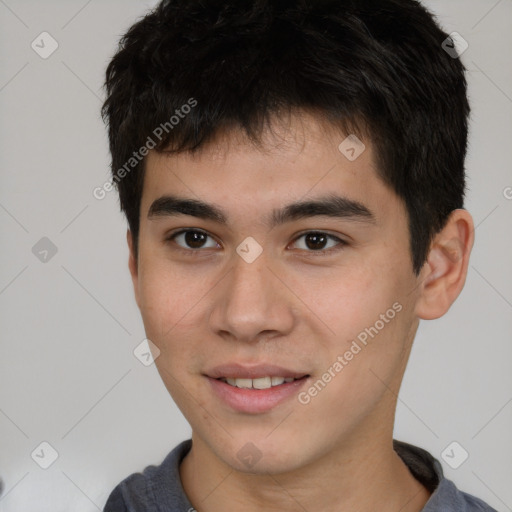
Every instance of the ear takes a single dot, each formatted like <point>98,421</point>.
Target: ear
<point>132,265</point>
<point>444,274</point>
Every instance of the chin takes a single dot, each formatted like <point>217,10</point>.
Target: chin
<point>268,465</point>
<point>263,456</point>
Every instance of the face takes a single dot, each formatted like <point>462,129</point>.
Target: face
<point>292,262</point>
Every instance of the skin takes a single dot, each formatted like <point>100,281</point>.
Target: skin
<point>294,307</point>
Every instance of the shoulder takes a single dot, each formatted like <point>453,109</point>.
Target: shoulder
<point>154,485</point>
<point>115,502</point>
<point>445,496</point>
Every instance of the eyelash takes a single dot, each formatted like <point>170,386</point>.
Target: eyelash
<point>320,252</point>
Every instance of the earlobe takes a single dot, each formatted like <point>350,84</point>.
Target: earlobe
<point>132,265</point>
<point>444,274</point>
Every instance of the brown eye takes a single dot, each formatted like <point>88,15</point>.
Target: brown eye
<point>317,241</point>
<point>192,239</point>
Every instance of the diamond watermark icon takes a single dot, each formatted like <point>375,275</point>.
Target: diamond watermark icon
<point>44,455</point>
<point>455,45</point>
<point>351,147</point>
<point>454,455</point>
<point>249,454</point>
<point>44,45</point>
<point>249,249</point>
<point>44,250</point>
<point>146,352</point>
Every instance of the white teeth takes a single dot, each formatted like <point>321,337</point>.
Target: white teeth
<point>243,383</point>
<point>259,383</point>
<point>262,383</point>
<point>277,381</point>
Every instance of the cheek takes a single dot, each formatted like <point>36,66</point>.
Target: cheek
<point>167,309</point>
<point>363,365</point>
<point>170,304</point>
<point>349,300</point>
<point>365,310</point>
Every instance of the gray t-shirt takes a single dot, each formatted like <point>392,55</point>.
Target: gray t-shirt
<point>159,489</point>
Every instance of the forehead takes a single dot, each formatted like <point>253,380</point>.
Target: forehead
<point>297,157</point>
<point>299,132</point>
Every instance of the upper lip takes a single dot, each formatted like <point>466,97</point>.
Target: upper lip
<point>239,371</point>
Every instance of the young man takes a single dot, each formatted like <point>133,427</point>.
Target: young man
<point>292,173</point>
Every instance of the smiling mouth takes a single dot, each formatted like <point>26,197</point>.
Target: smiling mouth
<point>260,382</point>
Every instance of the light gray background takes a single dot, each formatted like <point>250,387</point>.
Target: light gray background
<point>69,326</point>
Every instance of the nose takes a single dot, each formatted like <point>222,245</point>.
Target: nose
<point>252,303</point>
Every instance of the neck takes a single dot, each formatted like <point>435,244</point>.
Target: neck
<point>364,476</point>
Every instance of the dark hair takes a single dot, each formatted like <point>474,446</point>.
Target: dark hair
<point>374,68</point>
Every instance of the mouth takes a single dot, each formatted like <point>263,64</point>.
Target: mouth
<point>255,389</point>
<point>259,382</point>
<point>236,371</point>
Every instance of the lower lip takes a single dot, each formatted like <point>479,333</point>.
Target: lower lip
<point>256,400</point>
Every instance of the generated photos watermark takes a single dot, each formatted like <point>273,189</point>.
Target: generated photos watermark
<point>137,156</point>
<point>356,347</point>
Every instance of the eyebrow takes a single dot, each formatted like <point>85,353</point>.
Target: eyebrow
<point>330,206</point>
